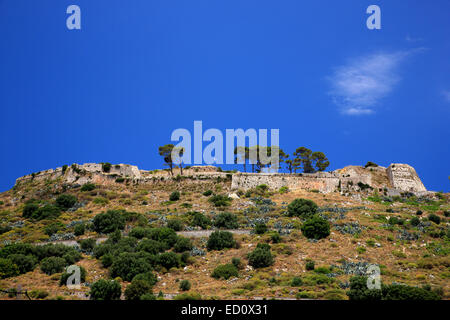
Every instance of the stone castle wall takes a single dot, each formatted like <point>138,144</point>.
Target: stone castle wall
<point>404,177</point>
<point>401,177</point>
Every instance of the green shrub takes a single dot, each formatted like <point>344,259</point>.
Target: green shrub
<point>51,250</point>
<point>207,193</point>
<point>105,290</point>
<point>219,240</point>
<point>108,222</point>
<point>415,221</point>
<point>38,294</point>
<point>120,180</point>
<point>188,296</point>
<point>226,220</point>
<point>419,212</point>
<point>260,228</point>
<point>107,260</point>
<point>370,164</point>
<point>106,166</point>
<point>79,229</point>
<point>185,285</point>
<point>23,262</point>
<point>237,263</point>
<point>72,256</point>
<point>260,258</point>
<point>175,224</point>
<point>8,269</point>
<point>322,270</point>
<point>127,265</point>
<point>19,248</point>
<point>149,277</point>
<point>65,276</point>
<point>148,296</point>
<point>53,228</point>
<point>29,210</point>
<point>201,220</point>
<point>434,218</point>
<point>164,235</point>
<point>316,228</point>
<point>359,291</point>
<point>168,260</point>
<point>138,232</point>
<point>302,208</point>
<point>66,201</point>
<point>264,246</point>
<point>87,187</point>
<point>182,245</point>
<point>225,271</point>
<point>283,190</point>
<point>174,196</point>
<point>296,282</point>
<point>53,265</point>
<point>100,201</point>
<point>310,265</point>
<point>136,289</point>
<point>151,246</point>
<point>48,211</point>
<point>403,292</point>
<point>220,200</point>
<point>275,237</point>
<point>4,229</point>
<point>87,245</point>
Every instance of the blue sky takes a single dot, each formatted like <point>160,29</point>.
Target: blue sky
<point>116,89</point>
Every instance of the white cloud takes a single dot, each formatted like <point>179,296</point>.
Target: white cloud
<point>358,86</point>
<point>412,39</point>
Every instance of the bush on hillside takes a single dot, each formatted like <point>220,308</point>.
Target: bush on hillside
<point>175,224</point>
<point>127,265</point>
<point>23,262</point>
<point>87,187</point>
<point>106,290</point>
<point>109,221</point>
<point>8,269</point>
<point>220,200</point>
<point>219,240</point>
<point>200,220</point>
<point>185,285</point>
<point>260,228</point>
<point>168,260</point>
<point>302,208</point>
<point>316,228</point>
<point>225,271</point>
<point>66,201</point>
<point>260,258</point>
<point>174,196</point>
<point>136,289</point>
<point>79,229</point>
<point>149,277</point>
<point>53,265</point>
<point>226,220</point>
<point>182,245</point>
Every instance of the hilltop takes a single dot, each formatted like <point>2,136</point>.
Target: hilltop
<point>376,215</point>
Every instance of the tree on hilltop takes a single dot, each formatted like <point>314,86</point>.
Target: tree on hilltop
<point>166,152</point>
